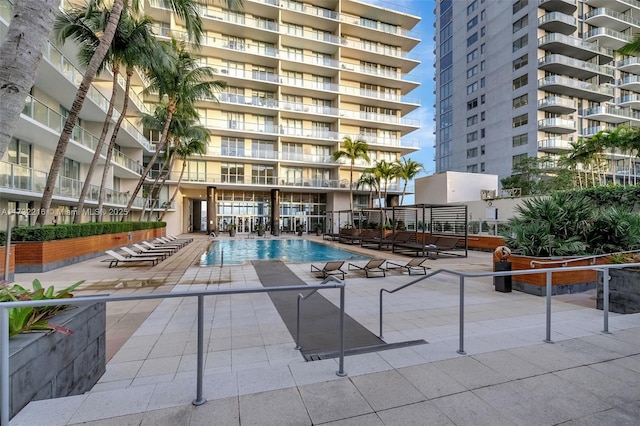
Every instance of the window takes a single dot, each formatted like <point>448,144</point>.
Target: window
<point>262,149</point>
<point>482,64</point>
<point>472,104</point>
<point>472,120</point>
<point>262,174</point>
<point>521,101</point>
<point>520,23</point>
<point>472,7</point>
<point>519,5</point>
<point>481,167</point>
<point>520,140</point>
<point>472,55</point>
<point>472,88</point>
<point>446,119</point>
<point>472,152</point>
<point>482,82</point>
<point>483,31</point>
<point>19,152</point>
<point>471,137</point>
<point>232,173</point>
<point>482,99</point>
<point>482,133</point>
<point>520,120</point>
<point>521,42</point>
<point>472,71</point>
<point>482,116</point>
<point>472,39</point>
<point>482,48</point>
<point>518,82</point>
<point>70,169</point>
<point>516,159</point>
<point>472,23</point>
<point>520,62</point>
<point>232,146</point>
<point>473,168</point>
<point>482,149</point>
<point>483,15</point>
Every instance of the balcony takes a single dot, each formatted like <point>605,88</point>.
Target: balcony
<point>556,22</point>
<point>580,89</point>
<point>557,105</point>
<point>617,5</point>
<point>574,48</point>
<point>560,64</point>
<point>631,101</point>
<point>554,145</point>
<point>631,82</point>
<point>557,125</point>
<point>604,17</point>
<point>32,182</point>
<point>608,38</point>
<point>564,6</point>
<point>631,65</point>
<point>588,132</point>
<point>610,114</point>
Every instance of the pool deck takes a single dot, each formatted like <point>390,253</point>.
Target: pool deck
<point>254,375</point>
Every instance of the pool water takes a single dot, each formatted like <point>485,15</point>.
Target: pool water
<point>236,252</point>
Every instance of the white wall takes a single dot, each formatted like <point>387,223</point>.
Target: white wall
<point>453,187</point>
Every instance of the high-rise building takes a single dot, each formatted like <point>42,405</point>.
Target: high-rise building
<point>300,76</point>
<point>526,78</point>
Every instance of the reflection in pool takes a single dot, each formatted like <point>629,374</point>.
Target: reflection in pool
<point>235,252</point>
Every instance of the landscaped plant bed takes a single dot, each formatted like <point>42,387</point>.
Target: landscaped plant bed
<point>52,364</point>
<point>42,256</point>
<point>624,291</point>
<point>562,282</point>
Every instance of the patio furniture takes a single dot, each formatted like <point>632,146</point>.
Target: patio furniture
<point>330,268</point>
<point>415,265</point>
<point>118,258</point>
<point>373,266</point>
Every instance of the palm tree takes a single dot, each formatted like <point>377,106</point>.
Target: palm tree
<point>407,169</point>
<point>186,10</point>
<point>383,171</point>
<point>185,149</point>
<point>352,150</point>
<point>20,54</point>
<point>183,82</point>
<point>183,125</point>
<point>131,41</point>
<point>368,180</point>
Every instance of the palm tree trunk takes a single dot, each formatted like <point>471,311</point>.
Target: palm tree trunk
<point>351,192</point>
<point>404,191</point>
<point>112,142</point>
<point>20,53</point>
<point>163,139</point>
<point>175,192</point>
<point>164,172</point>
<point>98,151</point>
<point>81,94</point>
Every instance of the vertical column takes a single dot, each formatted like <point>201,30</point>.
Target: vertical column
<point>275,211</point>
<point>212,210</point>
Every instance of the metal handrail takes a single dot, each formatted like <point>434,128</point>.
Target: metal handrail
<point>564,262</point>
<point>199,400</point>
<point>548,271</point>
<point>330,278</point>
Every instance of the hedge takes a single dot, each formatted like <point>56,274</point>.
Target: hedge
<point>63,231</point>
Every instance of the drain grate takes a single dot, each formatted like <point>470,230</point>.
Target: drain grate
<point>363,350</point>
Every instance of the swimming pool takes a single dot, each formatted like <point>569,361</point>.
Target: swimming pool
<point>236,252</point>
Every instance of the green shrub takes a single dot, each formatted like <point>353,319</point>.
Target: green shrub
<point>63,231</point>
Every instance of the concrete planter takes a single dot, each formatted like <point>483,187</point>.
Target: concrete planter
<point>53,365</point>
<point>624,291</point>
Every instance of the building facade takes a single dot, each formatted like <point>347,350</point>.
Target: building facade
<point>300,76</point>
<point>528,78</point>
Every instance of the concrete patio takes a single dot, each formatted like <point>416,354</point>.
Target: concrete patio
<point>254,375</point>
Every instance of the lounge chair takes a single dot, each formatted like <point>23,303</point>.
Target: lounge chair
<point>440,245</point>
<point>330,268</point>
<point>372,267</point>
<point>168,251</point>
<point>415,265</point>
<point>174,238</point>
<point>165,240</point>
<point>117,258</point>
<point>160,246</point>
<point>133,254</point>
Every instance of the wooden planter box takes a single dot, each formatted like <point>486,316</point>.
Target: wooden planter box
<point>12,265</point>
<point>563,282</point>
<point>624,291</point>
<point>53,365</point>
<point>48,255</point>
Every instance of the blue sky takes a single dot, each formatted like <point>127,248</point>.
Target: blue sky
<point>424,73</point>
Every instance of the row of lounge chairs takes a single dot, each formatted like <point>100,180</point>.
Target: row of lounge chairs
<point>399,242</point>
<point>149,252</point>
<point>373,268</point>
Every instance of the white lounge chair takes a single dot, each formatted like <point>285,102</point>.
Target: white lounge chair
<point>117,258</point>
<point>131,253</point>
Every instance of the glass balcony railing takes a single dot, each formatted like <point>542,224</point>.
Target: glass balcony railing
<point>555,101</point>
<point>609,33</point>
<point>575,84</point>
<point>575,63</point>
<point>609,110</point>
<point>14,176</point>
<point>44,115</point>
<point>601,11</point>
<point>574,42</point>
<point>379,26</point>
<point>557,17</point>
